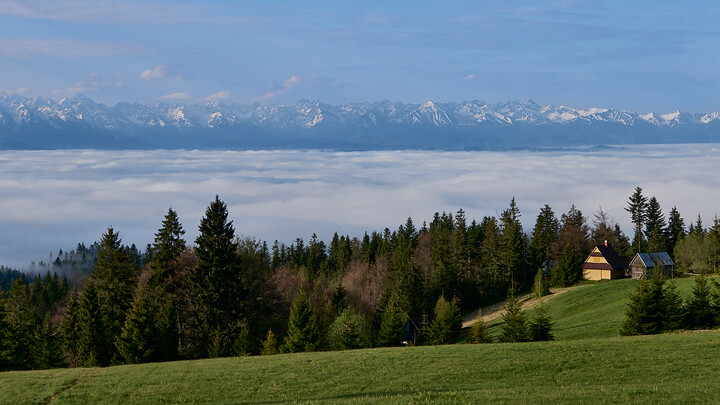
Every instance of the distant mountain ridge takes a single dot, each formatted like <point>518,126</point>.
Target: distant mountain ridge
<point>79,122</point>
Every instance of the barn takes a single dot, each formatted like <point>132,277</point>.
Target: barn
<point>604,263</point>
<point>645,265</point>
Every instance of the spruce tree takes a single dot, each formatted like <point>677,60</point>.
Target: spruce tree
<point>544,235</point>
<point>514,327</point>
<point>447,322</point>
<point>113,280</point>
<point>645,314</point>
<point>47,352</point>
<point>217,279</point>
<point>675,230</point>
<point>673,306</point>
<point>93,344</point>
<point>637,207</point>
<point>21,324</point>
<point>5,356</point>
<point>392,323</point>
<point>349,330</point>
<point>701,311</point>
<point>70,331</point>
<point>513,246</point>
<point>149,333</point>
<point>303,334</point>
<point>566,270</point>
<point>167,247</point>
<point>540,327</point>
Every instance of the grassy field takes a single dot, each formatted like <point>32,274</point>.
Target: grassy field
<point>594,310</point>
<point>588,363</point>
<point>660,369</point>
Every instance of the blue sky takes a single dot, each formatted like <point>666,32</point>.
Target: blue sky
<point>642,56</point>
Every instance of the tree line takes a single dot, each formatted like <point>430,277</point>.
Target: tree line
<point>224,295</point>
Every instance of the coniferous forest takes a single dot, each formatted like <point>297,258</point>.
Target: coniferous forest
<point>223,295</point>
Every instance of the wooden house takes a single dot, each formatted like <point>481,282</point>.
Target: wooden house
<point>604,263</point>
<point>645,265</point>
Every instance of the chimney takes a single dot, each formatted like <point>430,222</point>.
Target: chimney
<point>605,242</point>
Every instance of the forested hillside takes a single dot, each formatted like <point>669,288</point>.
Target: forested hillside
<point>223,295</point>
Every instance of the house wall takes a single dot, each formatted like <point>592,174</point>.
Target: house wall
<point>592,274</point>
<point>637,271</point>
<point>602,274</point>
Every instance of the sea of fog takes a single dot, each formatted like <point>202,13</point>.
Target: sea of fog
<point>51,200</point>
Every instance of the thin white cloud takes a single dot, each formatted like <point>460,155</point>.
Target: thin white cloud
<point>325,192</point>
<point>175,96</point>
<point>9,92</point>
<point>470,77</point>
<point>92,84</point>
<point>158,72</point>
<point>27,48</point>
<point>219,96</point>
<point>288,85</point>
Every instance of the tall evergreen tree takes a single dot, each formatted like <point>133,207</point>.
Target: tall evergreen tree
<point>571,249</point>
<point>303,334</point>
<point>447,322</point>
<point>637,207</point>
<point>655,227</point>
<point>392,323</point>
<point>46,351</point>
<point>93,344</point>
<point>21,324</point>
<point>146,336</point>
<point>113,280</point>
<point>675,230</point>
<point>544,235</point>
<point>566,270</point>
<point>217,280</point>
<point>5,355</point>
<point>167,247</point>
<point>513,246</point>
<point>70,332</point>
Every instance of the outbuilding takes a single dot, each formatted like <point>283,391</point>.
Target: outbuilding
<point>604,263</point>
<point>645,265</point>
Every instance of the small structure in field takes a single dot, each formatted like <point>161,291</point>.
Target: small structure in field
<point>646,265</point>
<point>604,263</point>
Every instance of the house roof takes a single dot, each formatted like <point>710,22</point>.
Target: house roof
<point>614,260</point>
<point>653,259</point>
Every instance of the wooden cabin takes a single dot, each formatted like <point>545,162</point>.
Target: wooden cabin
<point>604,263</point>
<point>645,265</point>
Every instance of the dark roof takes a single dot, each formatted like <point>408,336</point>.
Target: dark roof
<point>612,256</point>
<point>655,258</point>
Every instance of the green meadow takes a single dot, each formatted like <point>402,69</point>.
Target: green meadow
<point>588,363</point>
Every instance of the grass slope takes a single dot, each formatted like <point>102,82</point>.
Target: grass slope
<point>595,310</point>
<point>658,369</point>
<point>587,364</point>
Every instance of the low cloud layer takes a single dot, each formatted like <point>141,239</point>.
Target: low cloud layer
<point>54,199</point>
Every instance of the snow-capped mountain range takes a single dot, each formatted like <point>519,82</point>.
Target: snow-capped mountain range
<point>79,122</point>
